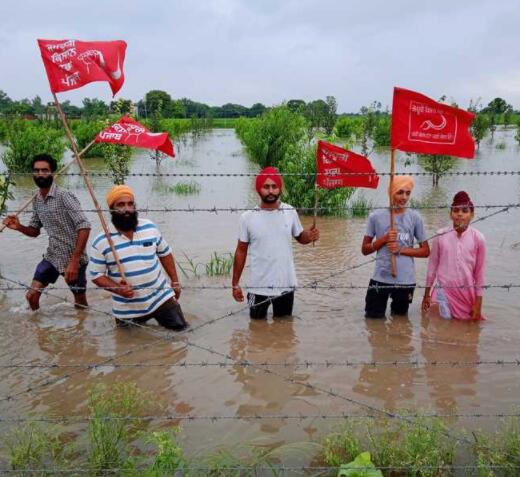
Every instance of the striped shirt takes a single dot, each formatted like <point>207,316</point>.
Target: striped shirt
<point>143,270</point>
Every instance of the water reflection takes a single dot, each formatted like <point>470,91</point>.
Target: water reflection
<point>450,340</point>
<point>390,340</point>
<point>266,341</point>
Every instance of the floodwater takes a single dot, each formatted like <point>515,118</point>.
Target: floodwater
<point>328,324</point>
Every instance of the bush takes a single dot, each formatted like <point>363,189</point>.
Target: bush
<point>24,139</point>
<point>299,189</point>
<point>346,127</point>
<point>381,132</point>
<point>268,138</point>
<point>84,132</point>
<point>438,165</point>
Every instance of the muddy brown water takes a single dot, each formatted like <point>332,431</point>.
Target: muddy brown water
<point>328,324</point>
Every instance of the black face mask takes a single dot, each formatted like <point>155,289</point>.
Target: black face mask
<point>43,182</point>
<point>125,222</point>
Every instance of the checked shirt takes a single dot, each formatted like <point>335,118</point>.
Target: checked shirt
<point>60,215</point>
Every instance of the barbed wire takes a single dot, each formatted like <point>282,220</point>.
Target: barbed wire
<point>307,364</point>
<point>506,286</point>
<point>284,174</point>
<point>249,417</point>
<point>236,210</point>
<point>292,380</point>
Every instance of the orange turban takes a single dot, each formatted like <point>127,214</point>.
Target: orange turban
<point>117,192</point>
<point>400,182</point>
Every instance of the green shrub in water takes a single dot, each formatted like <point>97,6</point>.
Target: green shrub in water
<point>25,139</point>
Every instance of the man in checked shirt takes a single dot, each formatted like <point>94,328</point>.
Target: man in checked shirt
<point>58,211</point>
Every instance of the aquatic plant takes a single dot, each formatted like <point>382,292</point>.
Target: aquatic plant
<point>185,188</point>
<point>360,206</point>
<point>25,139</point>
<point>219,264</point>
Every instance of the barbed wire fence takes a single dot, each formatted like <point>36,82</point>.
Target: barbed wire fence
<point>227,360</point>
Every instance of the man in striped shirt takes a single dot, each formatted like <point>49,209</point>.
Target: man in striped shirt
<point>143,254</point>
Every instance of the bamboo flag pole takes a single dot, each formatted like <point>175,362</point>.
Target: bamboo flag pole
<point>316,203</point>
<point>56,174</point>
<point>392,212</point>
<point>89,186</point>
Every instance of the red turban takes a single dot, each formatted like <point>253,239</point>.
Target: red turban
<point>268,173</point>
<point>462,199</point>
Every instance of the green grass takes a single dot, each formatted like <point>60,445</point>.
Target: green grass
<point>220,264</point>
<point>185,188</point>
<point>223,123</point>
<point>360,206</point>
<point>501,145</point>
<point>422,447</point>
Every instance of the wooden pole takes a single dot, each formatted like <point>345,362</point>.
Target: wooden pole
<point>60,171</point>
<point>392,212</point>
<point>316,203</point>
<point>89,186</point>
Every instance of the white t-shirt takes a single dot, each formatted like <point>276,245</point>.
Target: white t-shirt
<point>269,233</point>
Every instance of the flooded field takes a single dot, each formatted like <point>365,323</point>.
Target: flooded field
<point>309,351</point>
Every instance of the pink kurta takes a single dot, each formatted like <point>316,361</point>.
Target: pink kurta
<point>454,261</point>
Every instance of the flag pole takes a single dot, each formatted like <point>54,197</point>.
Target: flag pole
<point>60,171</point>
<point>89,186</point>
<point>392,211</point>
<point>316,202</point>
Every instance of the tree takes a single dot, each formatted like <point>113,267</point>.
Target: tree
<point>296,105</point>
<point>498,106</point>
<point>479,127</point>
<point>5,102</point>
<point>437,164</point>
<point>316,112</point>
<point>94,108</point>
<point>122,106</point>
<point>38,107</point>
<point>508,116</point>
<point>157,100</point>
<point>257,110</point>
<point>329,121</point>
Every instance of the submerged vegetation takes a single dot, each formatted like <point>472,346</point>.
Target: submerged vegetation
<point>280,138</point>
<point>25,139</point>
<point>119,440</point>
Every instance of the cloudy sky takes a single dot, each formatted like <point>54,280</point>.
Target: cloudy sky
<point>247,51</point>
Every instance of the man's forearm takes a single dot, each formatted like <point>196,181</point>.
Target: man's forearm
<point>238,267</point>
<point>29,231</point>
<point>107,284</point>
<point>168,263</point>
<point>81,243</point>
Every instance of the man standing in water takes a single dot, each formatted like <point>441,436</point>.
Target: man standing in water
<point>386,242</point>
<point>144,254</point>
<point>267,233</point>
<point>58,211</point>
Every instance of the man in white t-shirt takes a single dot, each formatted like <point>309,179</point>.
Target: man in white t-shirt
<point>266,234</point>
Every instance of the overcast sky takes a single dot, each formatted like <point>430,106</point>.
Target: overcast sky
<point>247,51</point>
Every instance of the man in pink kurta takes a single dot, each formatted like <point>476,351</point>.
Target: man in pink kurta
<point>457,260</point>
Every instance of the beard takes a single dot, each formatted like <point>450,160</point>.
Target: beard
<point>126,221</point>
<point>43,182</point>
<point>270,198</point>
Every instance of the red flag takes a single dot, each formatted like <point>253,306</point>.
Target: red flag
<point>71,64</point>
<point>334,164</point>
<point>129,132</point>
<point>420,124</point>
